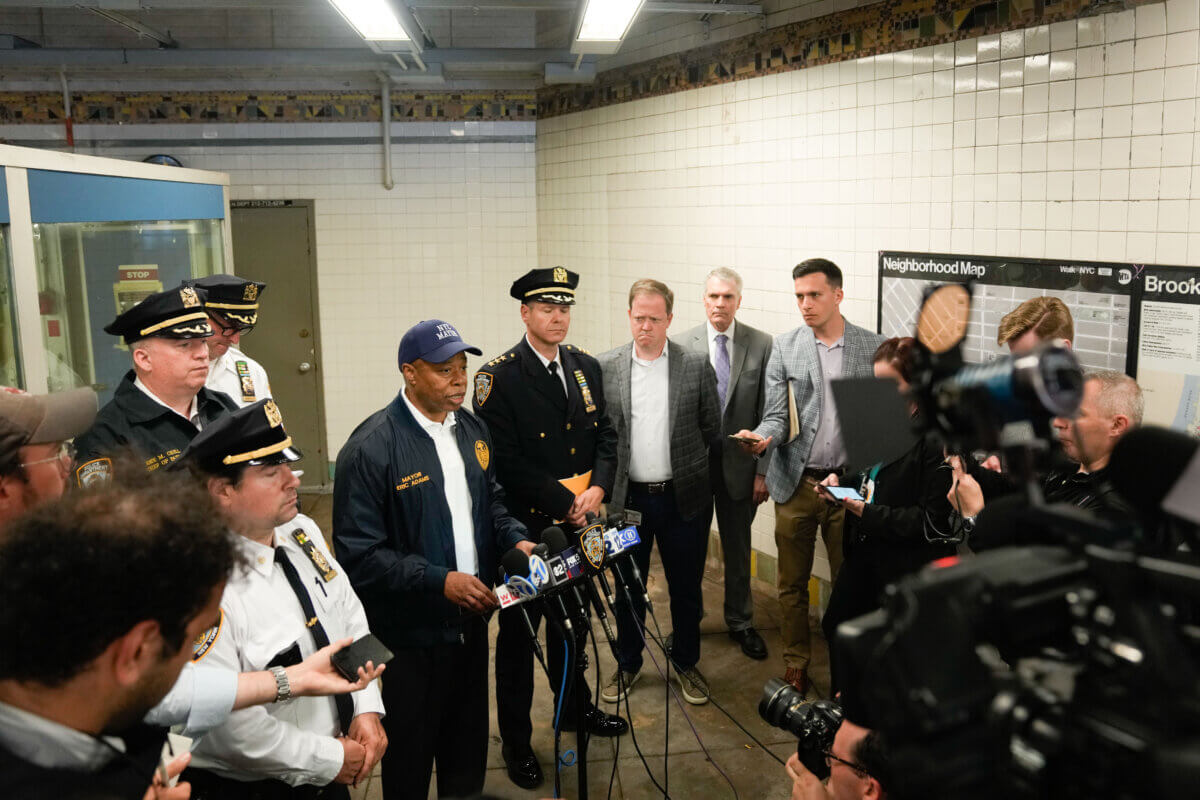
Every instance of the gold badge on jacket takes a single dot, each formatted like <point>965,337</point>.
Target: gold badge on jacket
<point>482,453</point>
<point>589,404</point>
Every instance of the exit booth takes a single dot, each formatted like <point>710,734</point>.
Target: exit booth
<point>82,239</point>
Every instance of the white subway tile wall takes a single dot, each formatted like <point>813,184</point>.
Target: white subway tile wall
<point>446,242</point>
<point>1072,140</point>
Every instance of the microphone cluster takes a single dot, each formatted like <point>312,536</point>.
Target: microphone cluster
<point>557,566</point>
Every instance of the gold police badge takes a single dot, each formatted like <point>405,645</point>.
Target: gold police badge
<point>273,416</point>
<point>560,275</point>
<point>250,293</point>
<point>482,453</point>
<point>189,298</point>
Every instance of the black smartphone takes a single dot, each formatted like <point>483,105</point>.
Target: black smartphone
<point>368,648</point>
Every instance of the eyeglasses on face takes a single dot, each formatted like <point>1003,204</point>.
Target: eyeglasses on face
<point>65,455</point>
<point>830,758</point>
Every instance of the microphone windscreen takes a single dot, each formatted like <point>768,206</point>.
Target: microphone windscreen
<point>1146,463</point>
<point>515,562</point>
<point>555,539</point>
<point>541,550</point>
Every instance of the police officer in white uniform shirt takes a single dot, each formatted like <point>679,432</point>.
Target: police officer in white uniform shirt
<point>291,599</point>
<point>232,306</point>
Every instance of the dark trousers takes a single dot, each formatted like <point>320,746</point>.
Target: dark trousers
<point>514,675</point>
<point>734,518</point>
<point>682,545</point>
<point>437,711</point>
<point>211,786</point>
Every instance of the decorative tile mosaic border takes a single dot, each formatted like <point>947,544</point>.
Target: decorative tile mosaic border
<point>883,27</point>
<point>39,108</point>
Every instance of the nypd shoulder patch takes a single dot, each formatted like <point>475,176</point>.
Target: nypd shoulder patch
<point>483,387</point>
<point>205,641</point>
<point>94,473</point>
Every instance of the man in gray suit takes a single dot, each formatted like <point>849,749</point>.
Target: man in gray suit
<point>808,359</point>
<point>662,400</point>
<point>738,354</point>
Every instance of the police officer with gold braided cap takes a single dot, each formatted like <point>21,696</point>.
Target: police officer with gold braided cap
<point>556,457</point>
<point>232,306</point>
<point>161,404</point>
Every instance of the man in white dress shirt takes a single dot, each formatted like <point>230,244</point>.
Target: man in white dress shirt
<point>232,306</point>
<point>292,600</point>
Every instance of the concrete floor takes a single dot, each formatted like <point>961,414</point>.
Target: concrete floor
<point>736,682</point>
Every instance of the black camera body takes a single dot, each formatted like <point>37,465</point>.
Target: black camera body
<point>813,724</point>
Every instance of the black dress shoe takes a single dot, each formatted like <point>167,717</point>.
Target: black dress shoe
<point>598,723</point>
<point>752,644</point>
<point>523,768</point>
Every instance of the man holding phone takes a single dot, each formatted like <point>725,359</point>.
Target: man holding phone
<point>292,600</point>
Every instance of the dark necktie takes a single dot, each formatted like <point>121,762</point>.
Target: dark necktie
<point>345,704</point>
<point>553,367</point>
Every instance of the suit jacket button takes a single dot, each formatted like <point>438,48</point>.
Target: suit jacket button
<point>532,511</point>
<point>568,426</point>
<point>572,451</point>
<point>542,435</point>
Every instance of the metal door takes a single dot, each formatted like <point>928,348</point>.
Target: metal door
<point>273,241</point>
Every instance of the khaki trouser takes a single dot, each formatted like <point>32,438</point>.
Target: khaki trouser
<point>796,524</point>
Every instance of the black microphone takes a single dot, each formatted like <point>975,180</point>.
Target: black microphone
<point>556,540</point>
<point>617,520</point>
<point>512,563</point>
<point>591,542</point>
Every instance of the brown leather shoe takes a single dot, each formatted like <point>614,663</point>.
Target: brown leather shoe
<point>798,678</point>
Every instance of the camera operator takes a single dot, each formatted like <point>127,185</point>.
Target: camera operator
<point>1112,406</point>
<point>902,523</point>
<point>859,768</point>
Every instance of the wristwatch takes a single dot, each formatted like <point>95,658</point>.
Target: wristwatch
<point>283,689</point>
<point>968,523</point>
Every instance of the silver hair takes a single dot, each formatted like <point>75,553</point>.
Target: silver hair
<point>1119,394</point>
<point>727,275</point>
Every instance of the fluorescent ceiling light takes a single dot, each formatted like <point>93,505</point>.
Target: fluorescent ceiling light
<point>607,20</point>
<point>374,20</point>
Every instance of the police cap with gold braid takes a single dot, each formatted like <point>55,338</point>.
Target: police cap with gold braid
<point>253,436</point>
<point>176,314</point>
<point>232,297</point>
<point>555,285</point>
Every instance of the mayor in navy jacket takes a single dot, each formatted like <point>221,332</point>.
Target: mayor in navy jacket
<point>419,523</point>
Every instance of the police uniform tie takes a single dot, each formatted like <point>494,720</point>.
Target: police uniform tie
<point>345,704</point>
<point>553,367</point>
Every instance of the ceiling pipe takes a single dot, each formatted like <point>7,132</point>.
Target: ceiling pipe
<point>385,118</point>
<point>68,120</point>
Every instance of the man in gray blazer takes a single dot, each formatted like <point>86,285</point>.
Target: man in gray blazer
<point>662,400</point>
<point>738,354</point>
<point>808,359</point>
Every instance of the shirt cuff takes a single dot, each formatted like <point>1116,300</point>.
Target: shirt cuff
<point>369,701</point>
<point>326,763</point>
<point>213,694</point>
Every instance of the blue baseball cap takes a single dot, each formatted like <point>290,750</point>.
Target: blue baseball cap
<point>433,341</point>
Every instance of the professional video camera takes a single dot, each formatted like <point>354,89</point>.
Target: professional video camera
<point>1068,670</point>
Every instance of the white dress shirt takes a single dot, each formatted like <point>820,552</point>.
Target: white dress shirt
<point>649,420</point>
<point>562,377</point>
<point>201,698</point>
<point>713,333</point>
<point>454,476</point>
<point>223,376</point>
<point>293,741</point>
<point>51,745</point>
<point>193,415</point>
